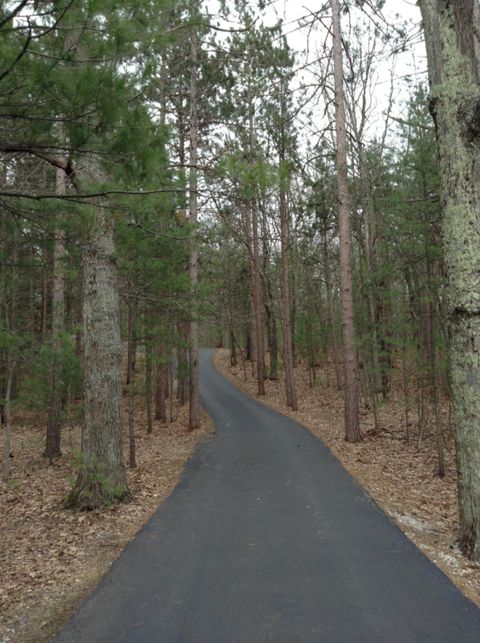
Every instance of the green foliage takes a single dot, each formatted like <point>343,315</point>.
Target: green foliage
<point>35,389</point>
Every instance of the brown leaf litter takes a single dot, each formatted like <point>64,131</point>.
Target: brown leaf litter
<point>51,557</point>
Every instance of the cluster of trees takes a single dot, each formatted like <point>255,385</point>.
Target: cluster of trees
<point>86,263</point>
<point>121,122</point>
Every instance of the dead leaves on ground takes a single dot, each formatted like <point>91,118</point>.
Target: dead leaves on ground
<point>50,557</point>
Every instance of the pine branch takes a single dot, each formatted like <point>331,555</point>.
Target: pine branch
<point>87,195</point>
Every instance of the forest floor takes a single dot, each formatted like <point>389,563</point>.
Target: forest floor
<point>51,557</point>
<point>400,477</point>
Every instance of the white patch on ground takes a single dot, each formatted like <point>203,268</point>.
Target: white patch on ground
<point>454,563</point>
<point>449,559</point>
<point>412,522</point>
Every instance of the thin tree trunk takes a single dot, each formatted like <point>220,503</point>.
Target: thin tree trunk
<point>432,351</point>
<point>171,415</point>
<point>256,283</point>
<point>233,349</point>
<point>44,300</point>
<point>7,418</point>
<point>271,320</point>
<point>131,416</point>
<point>290,389</point>
<point>331,312</point>
<point>194,397</point>
<point>148,383</point>
<point>161,406</point>
<point>11,324</point>
<point>257,303</point>
<point>183,377</point>
<point>57,393</point>
<point>271,317</point>
<point>131,381</point>
<point>182,364</point>
<point>406,397</point>
<point>252,326</point>
<point>32,293</point>
<point>352,428</point>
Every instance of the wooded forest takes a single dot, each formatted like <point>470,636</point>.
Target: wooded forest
<point>178,175</point>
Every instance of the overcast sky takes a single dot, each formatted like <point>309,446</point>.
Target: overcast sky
<point>410,64</point>
<point>408,67</point>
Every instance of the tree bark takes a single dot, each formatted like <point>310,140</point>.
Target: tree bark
<point>352,429</point>
<point>148,383</point>
<point>255,264</point>
<point>182,363</point>
<point>290,389</point>
<point>194,397</point>
<point>11,323</point>
<point>57,393</point>
<point>453,53</point>
<point>257,302</point>
<point>331,311</point>
<point>132,349</point>
<point>270,313</point>
<point>160,397</point>
<point>101,478</point>
<point>7,417</point>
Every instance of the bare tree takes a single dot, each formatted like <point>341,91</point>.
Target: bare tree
<point>194,399</point>
<point>352,429</point>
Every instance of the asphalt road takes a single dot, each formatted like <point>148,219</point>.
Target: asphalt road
<point>268,538</point>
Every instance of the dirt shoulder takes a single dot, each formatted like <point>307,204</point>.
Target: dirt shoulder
<point>399,477</point>
<point>50,558</point>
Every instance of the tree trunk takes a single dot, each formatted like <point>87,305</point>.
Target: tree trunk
<point>131,417</point>
<point>194,397</point>
<point>257,302</point>
<point>182,364</point>
<point>148,383</point>
<point>352,429</point>
<point>331,311</point>
<point>430,331</point>
<point>373,293</point>
<point>233,348</point>
<point>7,418</point>
<point>32,294</point>
<point>57,393</point>
<point>11,324</point>
<point>271,320</point>
<point>132,348</point>
<point>101,478</point>
<point>44,299</point>
<point>270,313</point>
<point>453,53</point>
<point>160,397</point>
<point>285,285</point>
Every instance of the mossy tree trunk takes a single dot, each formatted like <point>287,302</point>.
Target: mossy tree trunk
<point>453,52</point>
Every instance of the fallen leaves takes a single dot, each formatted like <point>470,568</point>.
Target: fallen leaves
<point>50,557</point>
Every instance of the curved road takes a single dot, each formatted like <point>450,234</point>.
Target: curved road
<point>268,538</point>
